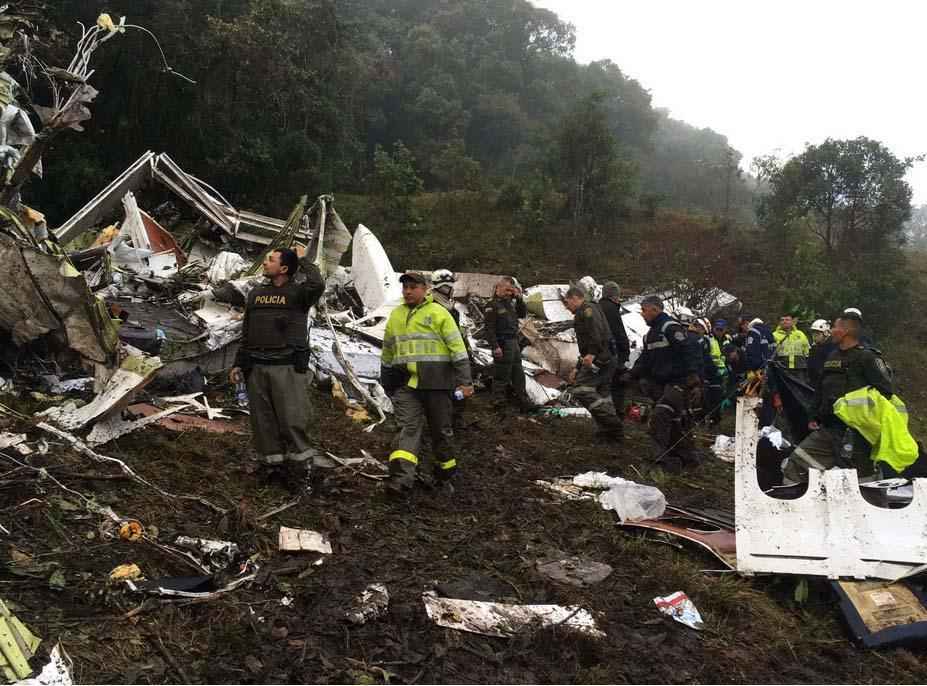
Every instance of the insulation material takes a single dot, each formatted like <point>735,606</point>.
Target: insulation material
<point>133,374</point>
<point>539,394</point>
<point>504,620</point>
<point>225,266</point>
<point>557,353</point>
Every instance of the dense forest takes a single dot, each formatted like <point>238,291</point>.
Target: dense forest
<point>295,96</point>
<point>435,119</point>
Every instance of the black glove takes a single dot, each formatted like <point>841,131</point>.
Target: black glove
<point>392,379</point>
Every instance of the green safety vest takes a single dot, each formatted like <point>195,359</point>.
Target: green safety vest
<point>792,347</point>
<point>882,422</point>
<point>426,341</point>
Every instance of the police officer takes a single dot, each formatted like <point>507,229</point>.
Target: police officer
<point>621,347</point>
<point>849,367</point>
<point>668,372</point>
<point>442,290</point>
<point>596,367</point>
<point>500,318</point>
<point>274,356</point>
<point>423,362</point>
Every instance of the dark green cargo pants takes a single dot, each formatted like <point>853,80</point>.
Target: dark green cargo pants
<point>508,374</point>
<point>824,449</point>
<point>280,412</point>
<point>415,410</point>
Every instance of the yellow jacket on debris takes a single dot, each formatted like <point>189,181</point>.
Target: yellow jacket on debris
<point>883,423</point>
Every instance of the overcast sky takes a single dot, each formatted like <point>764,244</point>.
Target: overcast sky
<point>774,75</point>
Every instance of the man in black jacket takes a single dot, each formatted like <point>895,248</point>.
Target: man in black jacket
<point>273,358</point>
<point>501,319</point>
<point>668,371</point>
<point>611,308</point>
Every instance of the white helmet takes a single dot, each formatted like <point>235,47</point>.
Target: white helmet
<point>854,310</point>
<point>442,277</point>
<point>820,325</point>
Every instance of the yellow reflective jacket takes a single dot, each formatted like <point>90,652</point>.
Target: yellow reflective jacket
<point>882,422</point>
<point>716,357</point>
<point>426,343</point>
<point>792,348</point>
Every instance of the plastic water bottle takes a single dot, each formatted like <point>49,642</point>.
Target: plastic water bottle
<point>241,394</point>
<point>458,394</point>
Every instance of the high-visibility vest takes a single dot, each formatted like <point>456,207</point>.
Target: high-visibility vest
<point>716,355</point>
<point>792,347</point>
<point>426,341</point>
<point>882,422</point>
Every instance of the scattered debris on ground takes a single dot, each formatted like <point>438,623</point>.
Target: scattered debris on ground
<point>167,556</point>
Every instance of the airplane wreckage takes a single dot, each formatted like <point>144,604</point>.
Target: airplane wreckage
<point>136,304</point>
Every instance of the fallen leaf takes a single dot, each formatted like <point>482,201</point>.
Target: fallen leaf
<point>19,557</point>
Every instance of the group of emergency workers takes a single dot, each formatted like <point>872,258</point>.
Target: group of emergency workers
<point>689,367</point>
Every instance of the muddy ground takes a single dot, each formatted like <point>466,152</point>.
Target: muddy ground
<point>487,535</point>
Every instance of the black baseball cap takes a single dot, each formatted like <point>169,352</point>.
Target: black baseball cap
<point>414,277</point>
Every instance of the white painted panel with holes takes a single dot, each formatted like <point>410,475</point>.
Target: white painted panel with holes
<point>830,530</point>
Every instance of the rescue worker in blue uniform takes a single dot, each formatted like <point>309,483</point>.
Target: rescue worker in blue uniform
<point>668,372</point>
<point>759,345</point>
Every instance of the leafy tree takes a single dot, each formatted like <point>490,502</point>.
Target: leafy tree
<point>454,169</point>
<point>597,181</point>
<point>395,181</point>
<point>852,191</point>
<point>294,97</point>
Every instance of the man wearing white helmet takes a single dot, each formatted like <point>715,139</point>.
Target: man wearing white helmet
<point>865,337</point>
<point>821,347</point>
